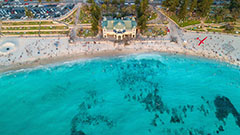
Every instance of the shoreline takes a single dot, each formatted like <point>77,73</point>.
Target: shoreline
<point>54,60</point>
<point>109,53</point>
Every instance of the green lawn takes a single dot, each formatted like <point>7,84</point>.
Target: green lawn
<point>85,33</point>
<point>197,29</point>
<point>84,18</point>
<point>214,30</point>
<point>153,16</point>
<point>184,23</point>
<point>34,33</point>
<point>35,28</point>
<point>189,22</point>
<point>27,23</point>
<point>155,31</point>
<point>210,21</point>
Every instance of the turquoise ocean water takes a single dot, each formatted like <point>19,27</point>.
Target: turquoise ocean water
<point>144,94</point>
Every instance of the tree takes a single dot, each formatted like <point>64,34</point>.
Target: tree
<point>235,13</point>
<point>222,14</point>
<point>183,10</point>
<point>48,0</point>
<point>174,4</point>
<point>28,13</point>
<point>204,7</point>
<point>122,2</point>
<point>106,2</point>
<point>234,7</point>
<point>133,7</point>
<point>142,22</point>
<point>95,25</point>
<point>85,8</point>
<point>114,2</point>
<point>39,1</point>
<point>56,0</point>
<point>137,2</point>
<point>130,9</point>
<point>143,7</point>
<point>95,11</point>
<point>234,4</point>
<point>219,15</point>
<point>113,9</point>
<point>96,15</point>
<point>142,15</point>
<point>104,7</point>
<point>229,27</point>
<point>90,1</point>
<point>171,4</point>
<point>165,3</point>
<point>193,6</point>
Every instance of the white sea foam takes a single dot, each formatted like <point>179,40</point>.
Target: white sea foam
<point>49,67</point>
<point>148,56</point>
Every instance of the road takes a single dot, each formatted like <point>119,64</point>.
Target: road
<point>76,21</point>
<point>175,31</point>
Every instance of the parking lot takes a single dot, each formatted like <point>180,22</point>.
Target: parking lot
<point>17,11</point>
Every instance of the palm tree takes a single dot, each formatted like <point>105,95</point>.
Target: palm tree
<point>104,7</point>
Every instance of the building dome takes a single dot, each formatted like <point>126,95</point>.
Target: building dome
<point>119,27</point>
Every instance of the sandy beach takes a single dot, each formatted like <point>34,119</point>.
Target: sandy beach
<point>34,51</point>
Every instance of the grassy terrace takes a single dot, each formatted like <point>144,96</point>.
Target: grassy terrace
<point>27,23</point>
<point>32,28</point>
<point>34,33</point>
<point>35,28</point>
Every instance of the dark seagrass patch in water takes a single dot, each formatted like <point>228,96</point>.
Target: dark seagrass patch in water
<point>224,107</point>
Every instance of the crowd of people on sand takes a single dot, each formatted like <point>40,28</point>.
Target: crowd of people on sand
<point>29,50</point>
<point>34,49</point>
<point>213,47</point>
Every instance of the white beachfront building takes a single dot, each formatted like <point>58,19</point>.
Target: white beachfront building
<point>119,28</point>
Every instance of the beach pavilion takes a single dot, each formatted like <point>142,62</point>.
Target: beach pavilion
<point>119,28</point>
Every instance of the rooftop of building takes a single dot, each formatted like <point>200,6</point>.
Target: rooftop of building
<point>123,23</point>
